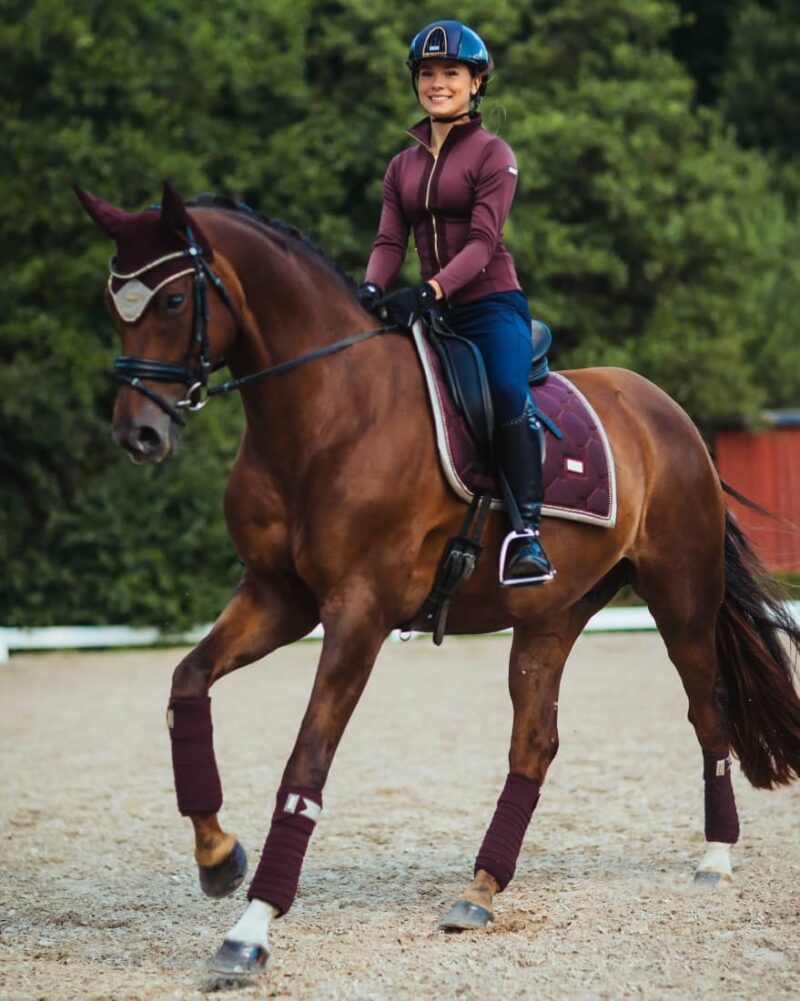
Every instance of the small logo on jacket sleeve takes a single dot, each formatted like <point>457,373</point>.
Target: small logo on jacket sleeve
<point>512,170</point>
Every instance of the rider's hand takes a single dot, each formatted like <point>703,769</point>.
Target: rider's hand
<point>405,306</point>
<point>368,293</point>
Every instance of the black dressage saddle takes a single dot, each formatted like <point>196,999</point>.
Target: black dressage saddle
<point>465,374</point>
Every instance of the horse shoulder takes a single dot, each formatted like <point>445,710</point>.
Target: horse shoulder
<point>256,512</point>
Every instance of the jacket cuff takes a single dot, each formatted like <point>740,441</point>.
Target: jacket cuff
<point>441,283</point>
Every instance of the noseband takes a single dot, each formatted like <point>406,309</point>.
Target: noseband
<point>132,371</point>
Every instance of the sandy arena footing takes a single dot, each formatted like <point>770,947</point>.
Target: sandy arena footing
<point>98,892</point>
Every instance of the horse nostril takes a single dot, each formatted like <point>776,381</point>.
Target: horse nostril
<point>147,440</point>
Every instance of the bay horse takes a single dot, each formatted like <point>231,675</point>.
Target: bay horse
<point>339,510</point>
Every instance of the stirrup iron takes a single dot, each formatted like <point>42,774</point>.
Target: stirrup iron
<point>512,536</point>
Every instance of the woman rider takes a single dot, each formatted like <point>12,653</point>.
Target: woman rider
<point>455,188</point>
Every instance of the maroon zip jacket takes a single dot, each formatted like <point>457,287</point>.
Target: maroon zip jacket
<point>456,204</point>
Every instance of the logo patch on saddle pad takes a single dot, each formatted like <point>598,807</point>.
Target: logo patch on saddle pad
<point>579,476</point>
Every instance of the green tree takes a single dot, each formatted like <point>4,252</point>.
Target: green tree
<point>760,90</point>
<point>759,96</point>
<point>643,232</point>
<point>701,40</point>
<point>116,97</point>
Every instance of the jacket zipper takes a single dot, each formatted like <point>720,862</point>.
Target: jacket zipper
<point>428,195</point>
<point>428,208</point>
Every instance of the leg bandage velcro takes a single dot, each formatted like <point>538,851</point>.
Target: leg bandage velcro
<point>722,821</point>
<point>293,821</point>
<point>501,846</point>
<point>197,782</point>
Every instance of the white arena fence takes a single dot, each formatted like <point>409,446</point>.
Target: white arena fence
<point>609,620</point>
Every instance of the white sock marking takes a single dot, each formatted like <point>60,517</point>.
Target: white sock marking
<point>717,859</point>
<point>253,926</point>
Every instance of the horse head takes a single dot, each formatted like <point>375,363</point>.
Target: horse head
<point>157,294</point>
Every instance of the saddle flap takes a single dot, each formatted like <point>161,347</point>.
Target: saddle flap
<point>466,377</point>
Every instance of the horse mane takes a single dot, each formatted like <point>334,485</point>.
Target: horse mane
<point>286,236</point>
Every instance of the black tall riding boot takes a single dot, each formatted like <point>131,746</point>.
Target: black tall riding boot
<point>519,455</point>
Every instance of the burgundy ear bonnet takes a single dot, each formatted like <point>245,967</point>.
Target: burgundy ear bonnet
<point>151,248</point>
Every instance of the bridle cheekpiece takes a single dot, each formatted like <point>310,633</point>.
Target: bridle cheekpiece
<point>131,300</point>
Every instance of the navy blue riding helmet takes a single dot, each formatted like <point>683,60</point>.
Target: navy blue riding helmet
<point>451,40</point>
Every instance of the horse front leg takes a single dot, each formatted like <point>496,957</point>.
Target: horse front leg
<point>348,654</point>
<point>261,617</point>
<point>535,668</point>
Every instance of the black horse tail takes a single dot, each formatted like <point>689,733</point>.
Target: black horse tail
<point>758,641</point>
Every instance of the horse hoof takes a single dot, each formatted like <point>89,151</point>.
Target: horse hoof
<point>705,878</point>
<point>239,960</point>
<point>464,915</point>
<point>221,880</point>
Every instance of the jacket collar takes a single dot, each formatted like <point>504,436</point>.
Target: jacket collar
<point>421,131</point>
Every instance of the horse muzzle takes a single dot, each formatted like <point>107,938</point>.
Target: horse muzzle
<point>146,442</point>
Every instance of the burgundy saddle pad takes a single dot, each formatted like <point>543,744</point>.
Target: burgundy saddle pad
<point>579,478</point>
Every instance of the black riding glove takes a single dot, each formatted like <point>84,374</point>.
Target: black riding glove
<point>368,294</point>
<point>405,306</point>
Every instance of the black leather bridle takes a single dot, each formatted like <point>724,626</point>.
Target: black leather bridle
<point>194,375</point>
<point>132,371</point>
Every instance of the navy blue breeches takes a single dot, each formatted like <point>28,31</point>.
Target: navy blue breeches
<point>500,326</point>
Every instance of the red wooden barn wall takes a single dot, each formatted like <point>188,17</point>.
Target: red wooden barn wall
<point>765,467</point>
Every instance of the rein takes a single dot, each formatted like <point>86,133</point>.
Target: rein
<point>132,371</point>
<point>287,366</point>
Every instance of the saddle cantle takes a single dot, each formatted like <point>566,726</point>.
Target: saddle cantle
<point>579,475</point>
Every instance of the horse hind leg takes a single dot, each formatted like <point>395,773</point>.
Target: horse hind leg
<point>684,602</point>
<point>535,669</point>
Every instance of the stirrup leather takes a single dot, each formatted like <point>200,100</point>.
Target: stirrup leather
<point>513,581</point>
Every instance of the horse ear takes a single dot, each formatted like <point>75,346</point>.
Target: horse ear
<point>175,217</point>
<point>173,211</point>
<point>106,216</point>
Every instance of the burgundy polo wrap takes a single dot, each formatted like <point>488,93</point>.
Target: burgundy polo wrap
<point>278,872</point>
<point>503,841</point>
<point>722,820</point>
<point>191,732</point>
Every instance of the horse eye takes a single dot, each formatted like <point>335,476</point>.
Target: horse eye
<point>174,302</point>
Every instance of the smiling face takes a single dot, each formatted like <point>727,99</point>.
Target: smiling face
<point>445,87</point>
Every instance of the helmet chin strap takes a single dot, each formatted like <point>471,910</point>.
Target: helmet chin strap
<point>452,118</point>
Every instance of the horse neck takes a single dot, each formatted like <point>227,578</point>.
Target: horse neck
<point>294,306</point>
